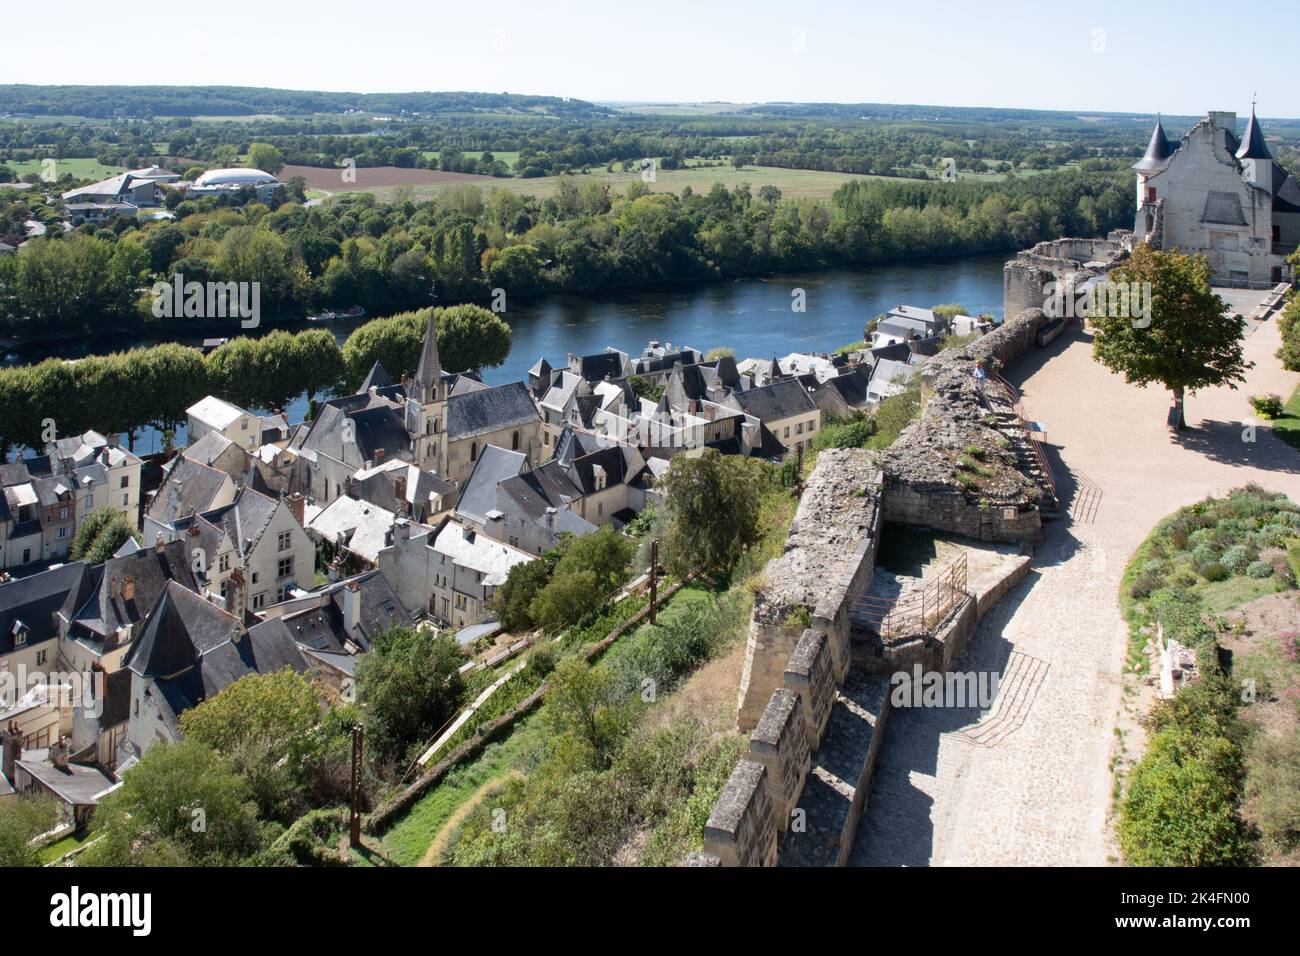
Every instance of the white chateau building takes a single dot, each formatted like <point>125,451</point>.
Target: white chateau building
<point>1226,197</point>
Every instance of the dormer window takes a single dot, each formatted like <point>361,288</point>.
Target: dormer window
<point>20,634</point>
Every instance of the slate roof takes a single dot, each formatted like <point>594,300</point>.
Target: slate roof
<point>1224,208</point>
<point>1252,142</point>
<point>1158,151</point>
<point>152,572</point>
<point>363,526</point>
<point>208,448</point>
<point>77,784</point>
<point>196,487</point>
<point>489,410</point>
<point>378,377</point>
<point>494,465</point>
<point>771,403</point>
<point>245,520</point>
<point>594,368</point>
<point>322,628</point>
<point>194,650</point>
<point>34,601</point>
<point>380,428</point>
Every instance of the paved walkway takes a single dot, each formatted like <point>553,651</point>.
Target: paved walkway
<point>1038,793</point>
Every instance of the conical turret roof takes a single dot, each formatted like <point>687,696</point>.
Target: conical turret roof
<point>1158,151</point>
<point>1252,143</point>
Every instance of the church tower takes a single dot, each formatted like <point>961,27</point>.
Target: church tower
<point>426,406</point>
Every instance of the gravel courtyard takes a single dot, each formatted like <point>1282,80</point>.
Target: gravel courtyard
<point>1032,783</point>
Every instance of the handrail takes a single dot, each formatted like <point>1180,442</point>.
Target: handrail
<point>916,612</point>
<point>1035,444</point>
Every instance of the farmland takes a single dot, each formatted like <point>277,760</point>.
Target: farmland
<point>79,168</point>
<point>378,178</point>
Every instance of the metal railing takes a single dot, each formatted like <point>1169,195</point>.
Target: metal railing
<point>1035,443</point>
<point>916,612</point>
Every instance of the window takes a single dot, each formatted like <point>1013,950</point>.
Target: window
<point>223,564</point>
<point>259,600</point>
<point>126,500</point>
<point>514,442</point>
<point>90,502</point>
<point>243,424</point>
<point>285,567</point>
<point>20,637</point>
<point>600,509</point>
<point>63,532</point>
<point>473,451</point>
<point>1151,194</point>
<point>40,658</point>
<point>254,577</point>
<point>798,429</point>
<point>285,540</point>
<point>126,482</point>
<point>63,513</point>
<point>812,426</point>
<point>787,431</point>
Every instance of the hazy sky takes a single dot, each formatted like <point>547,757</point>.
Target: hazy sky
<point>1131,56</point>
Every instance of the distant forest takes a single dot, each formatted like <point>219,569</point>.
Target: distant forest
<point>142,102</point>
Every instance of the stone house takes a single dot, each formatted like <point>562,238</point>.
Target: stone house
<point>785,409</point>
<point>189,651</point>
<point>1220,195</point>
<point>450,572</point>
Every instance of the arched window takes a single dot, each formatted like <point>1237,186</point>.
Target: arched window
<point>514,442</point>
<point>473,451</point>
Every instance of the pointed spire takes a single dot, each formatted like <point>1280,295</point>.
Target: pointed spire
<point>1158,150</point>
<point>429,374</point>
<point>1252,143</point>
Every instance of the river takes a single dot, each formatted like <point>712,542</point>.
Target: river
<point>751,316</point>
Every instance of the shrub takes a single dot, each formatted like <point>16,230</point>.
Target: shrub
<point>1235,558</point>
<point>1214,571</point>
<point>1268,405</point>
<point>1204,554</point>
<point>1259,569</point>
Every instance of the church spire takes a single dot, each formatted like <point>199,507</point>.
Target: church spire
<point>428,377</point>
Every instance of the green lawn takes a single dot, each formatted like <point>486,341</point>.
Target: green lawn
<point>1287,425</point>
<point>80,168</point>
<point>407,840</point>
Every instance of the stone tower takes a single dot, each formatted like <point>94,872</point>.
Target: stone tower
<point>426,406</point>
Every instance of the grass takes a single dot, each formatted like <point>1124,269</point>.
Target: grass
<point>58,848</point>
<point>797,183</point>
<point>79,168</point>
<point>408,839</point>
<point>1287,425</point>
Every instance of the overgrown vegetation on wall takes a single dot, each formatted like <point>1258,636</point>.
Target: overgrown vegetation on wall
<point>1217,784</point>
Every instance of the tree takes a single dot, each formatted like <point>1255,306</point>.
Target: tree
<point>265,157</point>
<point>1190,341</point>
<point>471,337</point>
<point>580,709</point>
<point>713,505</point>
<point>23,819</point>
<point>409,686</point>
<point>102,532</point>
<point>521,585</point>
<point>182,804</point>
<point>263,724</point>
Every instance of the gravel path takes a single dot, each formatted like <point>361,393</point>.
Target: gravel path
<point>1037,791</point>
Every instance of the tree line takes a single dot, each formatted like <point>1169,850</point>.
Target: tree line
<point>153,387</point>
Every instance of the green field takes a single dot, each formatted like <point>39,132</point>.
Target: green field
<point>798,183</point>
<point>509,157</point>
<point>80,168</point>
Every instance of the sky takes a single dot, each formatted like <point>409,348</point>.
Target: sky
<point>1140,56</point>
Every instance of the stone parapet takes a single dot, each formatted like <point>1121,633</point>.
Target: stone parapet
<point>811,674</point>
<point>741,831</point>
<point>780,743</point>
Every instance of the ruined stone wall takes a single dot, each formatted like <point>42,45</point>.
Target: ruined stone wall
<point>830,556</point>
<point>1026,278</point>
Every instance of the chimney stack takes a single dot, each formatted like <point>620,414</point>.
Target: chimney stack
<point>59,754</point>
<point>158,545</point>
<point>297,506</point>
<point>351,608</point>
<point>128,588</point>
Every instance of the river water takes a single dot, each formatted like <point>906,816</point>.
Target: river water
<point>753,317</point>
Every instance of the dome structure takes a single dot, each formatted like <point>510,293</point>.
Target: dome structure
<point>235,177</point>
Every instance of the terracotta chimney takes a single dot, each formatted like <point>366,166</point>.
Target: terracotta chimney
<point>297,506</point>
<point>128,588</point>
